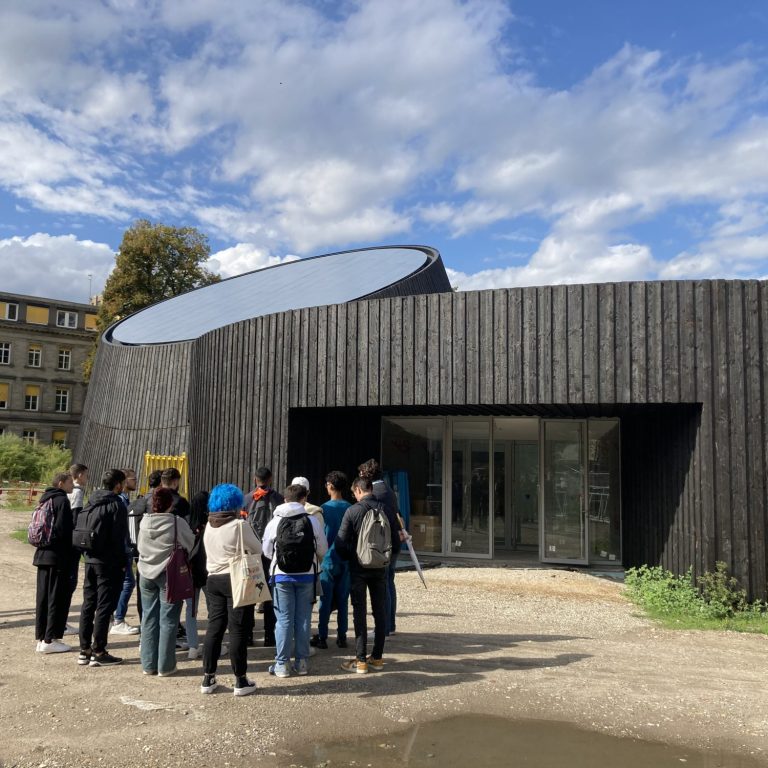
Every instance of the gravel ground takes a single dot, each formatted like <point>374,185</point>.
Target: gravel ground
<point>524,644</point>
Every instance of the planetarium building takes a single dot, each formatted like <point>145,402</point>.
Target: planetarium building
<point>620,423</point>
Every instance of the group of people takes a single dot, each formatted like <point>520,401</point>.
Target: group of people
<point>308,553</point>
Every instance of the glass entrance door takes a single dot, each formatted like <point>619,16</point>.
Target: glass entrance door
<point>564,518</point>
<point>470,488</point>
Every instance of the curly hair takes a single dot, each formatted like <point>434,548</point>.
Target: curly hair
<point>370,470</point>
<point>162,500</point>
<point>225,498</point>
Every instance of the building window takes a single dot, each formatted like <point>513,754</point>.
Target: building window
<point>91,322</point>
<point>31,397</point>
<point>59,437</point>
<point>5,352</point>
<point>4,394</point>
<point>30,435</point>
<point>65,359</point>
<point>11,311</point>
<point>62,400</point>
<point>34,355</point>
<point>66,319</point>
<point>37,315</point>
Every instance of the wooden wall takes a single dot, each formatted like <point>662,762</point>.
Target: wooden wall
<point>698,472</point>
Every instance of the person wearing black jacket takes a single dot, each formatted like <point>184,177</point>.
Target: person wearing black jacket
<point>54,565</point>
<point>104,572</point>
<point>372,580</point>
<point>263,501</point>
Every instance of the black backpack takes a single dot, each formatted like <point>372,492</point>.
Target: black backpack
<point>295,544</point>
<point>91,533</point>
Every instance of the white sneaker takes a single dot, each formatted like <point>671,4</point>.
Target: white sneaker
<point>54,647</point>
<point>193,653</point>
<point>123,628</point>
<point>71,630</point>
<point>39,646</point>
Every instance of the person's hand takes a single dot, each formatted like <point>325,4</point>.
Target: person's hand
<point>403,535</point>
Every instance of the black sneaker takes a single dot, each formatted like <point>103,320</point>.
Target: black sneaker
<point>104,660</point>
<point>84,657</point>
<point>244,686</point>
<point>209,684</point>
<point>269,641</point>
<point>318,642</point>
<point>341,641</point>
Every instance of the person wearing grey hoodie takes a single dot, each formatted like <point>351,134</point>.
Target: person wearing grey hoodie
<point>158,533</point>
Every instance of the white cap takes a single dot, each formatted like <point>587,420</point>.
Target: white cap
<point>301,481</point>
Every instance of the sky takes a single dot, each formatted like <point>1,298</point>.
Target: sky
<point>532,142</point>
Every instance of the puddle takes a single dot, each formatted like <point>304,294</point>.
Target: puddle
<point>490,742</point>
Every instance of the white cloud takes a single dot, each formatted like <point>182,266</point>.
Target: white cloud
<point>281,128</point>
<point>567,259</point>
<point>243,257</point>
<point>54,267</point>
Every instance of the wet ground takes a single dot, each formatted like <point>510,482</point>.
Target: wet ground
<point>492,742</point>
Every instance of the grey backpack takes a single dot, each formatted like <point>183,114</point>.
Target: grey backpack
<point>374,543</point>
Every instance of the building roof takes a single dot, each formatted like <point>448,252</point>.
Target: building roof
<point>334,278</point>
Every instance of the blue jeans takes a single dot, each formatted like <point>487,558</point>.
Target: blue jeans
<point>129,582</point>
<point>293,610</point>
<point>192,604</point>
<point>391,605</point>
<point>335,586</point>
<point>159,622</point>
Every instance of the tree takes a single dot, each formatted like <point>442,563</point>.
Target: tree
<point>154,262</point>
<point>31,462</point>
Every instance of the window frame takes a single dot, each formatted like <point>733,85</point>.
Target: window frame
<point>15,318</point>
<point>67,314</point>
<point>28,400</point>
<point>29,434</point>
<point>10,347</point>
<point>61,395</point>
<point>31,350</point>
<point>68,352</point>
<point>4,403</point>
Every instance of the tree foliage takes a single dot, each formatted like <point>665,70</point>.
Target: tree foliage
<point>31,462</point>
<point>154,262</point>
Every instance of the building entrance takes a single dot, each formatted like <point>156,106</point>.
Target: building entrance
<point>494,486</point>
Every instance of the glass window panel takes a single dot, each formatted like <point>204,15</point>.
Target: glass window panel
<point>604,490</point>
<point>5,352</point>
<point>34,356</point>
<point>65,359</point>
<point>470,487</point>
<point>412,456</point>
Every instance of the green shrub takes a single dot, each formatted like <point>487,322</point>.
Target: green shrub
<point>22,461</point>
<point>713,601</point>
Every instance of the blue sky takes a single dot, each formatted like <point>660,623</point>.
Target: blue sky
<point>530,141</point>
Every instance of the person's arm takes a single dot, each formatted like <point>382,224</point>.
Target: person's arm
<point>251,540</point>
<point>268,542</point>
<point>321,542</point>
<point>184,535</point>
<point>346,536</point>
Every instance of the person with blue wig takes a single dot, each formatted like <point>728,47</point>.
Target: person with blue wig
<point>222,542</point>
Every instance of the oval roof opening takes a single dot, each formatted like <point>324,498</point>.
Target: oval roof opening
<point>335,278</point>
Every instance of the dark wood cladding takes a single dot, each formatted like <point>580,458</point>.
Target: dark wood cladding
<point>683,363</point>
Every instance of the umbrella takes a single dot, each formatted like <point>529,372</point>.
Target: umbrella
<point>414,559</point>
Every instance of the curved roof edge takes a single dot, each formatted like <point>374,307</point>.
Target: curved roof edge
<point>334,278</point>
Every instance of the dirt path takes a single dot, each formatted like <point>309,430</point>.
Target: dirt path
<point>538,644</point>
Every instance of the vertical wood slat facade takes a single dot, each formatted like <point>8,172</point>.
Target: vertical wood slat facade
<point>682,363</point>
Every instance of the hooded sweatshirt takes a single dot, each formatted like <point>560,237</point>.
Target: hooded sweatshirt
<point>222,541</point>
<point>157,541</point>
<point>292,509</point>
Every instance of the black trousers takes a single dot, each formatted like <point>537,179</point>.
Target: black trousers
<point>221,615</point>
<point>270,620</point>
<point>374,581</point>
<point>102,585</point>
<point>52,603</point>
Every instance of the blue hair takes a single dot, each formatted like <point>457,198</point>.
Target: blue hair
<point>225,497</point>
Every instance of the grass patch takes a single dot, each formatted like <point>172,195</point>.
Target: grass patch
<point>714,601</point>
<point>20,534</point>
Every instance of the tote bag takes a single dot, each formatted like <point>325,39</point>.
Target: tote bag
<point>246,576</point>
<point>178,577</point>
